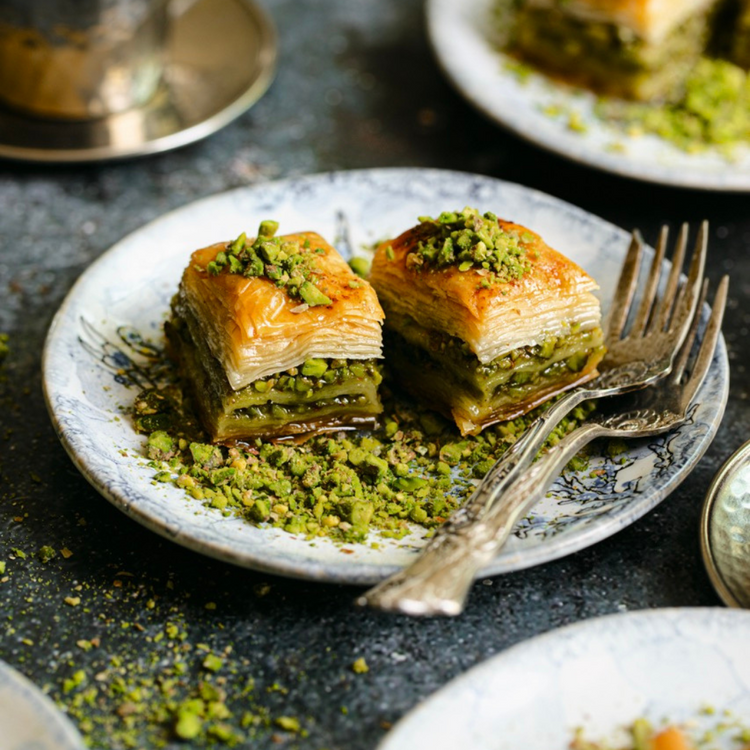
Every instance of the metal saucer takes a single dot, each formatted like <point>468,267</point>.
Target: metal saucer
<point>220,60</point>
<point>725,530</point>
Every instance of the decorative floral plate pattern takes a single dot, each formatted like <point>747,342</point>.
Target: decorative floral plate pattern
<point>599,675</point>
<point>463,37</point>
<point>29,720</point>
<point>102,346</point>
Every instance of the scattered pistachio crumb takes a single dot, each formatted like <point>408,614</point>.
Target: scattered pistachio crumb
<point>360,666</point>
<point>288,723</point>
<point>213,663</point>
<point>45,554</point>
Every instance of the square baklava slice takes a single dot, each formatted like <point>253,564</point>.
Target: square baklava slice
<point>636,49</point>
<point>276,336</point>
<point>484,321</point>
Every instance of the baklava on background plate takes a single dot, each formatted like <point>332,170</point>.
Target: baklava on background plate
<point>637,49</point>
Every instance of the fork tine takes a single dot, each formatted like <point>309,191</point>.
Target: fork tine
<point>664,306</point>
<point>687,298</point>
<point>683,355</point>
<point>708,345</point>
<point>652,284</point>
<point>625,290</point>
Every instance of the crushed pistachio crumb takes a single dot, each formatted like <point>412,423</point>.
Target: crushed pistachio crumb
<point>286,262</point>
<point>213,663</point>
<point>360,266</point>
<point>45,554</point>
<point>469,240</point>
<point>288,724</point>
<point>713,110</point>
<point>415,469</point>
<point>360,666</point>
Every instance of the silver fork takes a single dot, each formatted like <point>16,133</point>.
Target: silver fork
<point>634,360</point>
<point>651,411</point>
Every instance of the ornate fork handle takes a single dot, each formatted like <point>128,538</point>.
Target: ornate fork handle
<point>438,581</point>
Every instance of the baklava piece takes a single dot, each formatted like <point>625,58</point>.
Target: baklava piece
<point>276,336</point>
<point>637,49</point>
<point>484,321</point>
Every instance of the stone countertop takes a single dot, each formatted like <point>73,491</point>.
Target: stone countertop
<point>119,630</point>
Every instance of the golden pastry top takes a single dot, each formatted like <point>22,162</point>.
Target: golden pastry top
<point>256,329</point>
<point>547,299</point>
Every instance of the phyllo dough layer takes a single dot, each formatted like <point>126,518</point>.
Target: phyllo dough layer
<point>279,354</point>
<point>477,344</point>
<point>254,328</point>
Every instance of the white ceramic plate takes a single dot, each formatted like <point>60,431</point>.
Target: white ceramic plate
<point>462,37</point>
<point>29,720</point>
<point>128,289</point>
<point>600,675</point>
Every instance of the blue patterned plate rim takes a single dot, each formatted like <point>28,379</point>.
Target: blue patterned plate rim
<point>131,284</point>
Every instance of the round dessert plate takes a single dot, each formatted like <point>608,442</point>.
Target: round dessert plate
<point>463,37</point>
<point>220,60</point>
<point>664,665</point>
<point>94,366</point>
<point>29,720</point>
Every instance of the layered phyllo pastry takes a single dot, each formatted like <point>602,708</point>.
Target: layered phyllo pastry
<point>276,336</point>
<point>639,49</point>
<point>484,321</point>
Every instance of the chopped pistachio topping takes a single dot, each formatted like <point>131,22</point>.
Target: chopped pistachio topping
<point>4,349</point>
<point>469,240</point>
<point>289,264</point>
<point>360,266</point>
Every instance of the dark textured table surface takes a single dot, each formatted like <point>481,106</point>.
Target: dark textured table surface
<point>356,87</point>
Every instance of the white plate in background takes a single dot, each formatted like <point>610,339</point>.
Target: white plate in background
<point>462,37</point>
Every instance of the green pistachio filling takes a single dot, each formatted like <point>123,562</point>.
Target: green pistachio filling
<point>320,393</point>
<point>289,264</point>
<point>456,356</point>
<point>477,395</point>
<point>469,240</point>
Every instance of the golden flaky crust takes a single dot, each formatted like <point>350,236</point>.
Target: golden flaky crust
<point>546,301</point>
<point>255,329</point>
<point>650,19</point>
